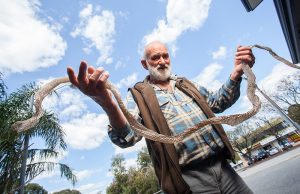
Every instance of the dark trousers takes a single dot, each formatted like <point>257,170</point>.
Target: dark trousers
<point>214,176</point>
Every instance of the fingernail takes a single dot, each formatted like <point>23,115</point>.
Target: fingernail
<point>100,68</point>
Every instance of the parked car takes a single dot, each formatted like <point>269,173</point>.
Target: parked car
<point>262,155</point>
<point>285,145</point>
<point>273,151</point>
<point>254,159</point>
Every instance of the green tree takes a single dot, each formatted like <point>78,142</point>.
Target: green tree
<point>144,159</point>
<point>13,145</point>
<point>2,88</point>
<point>294,113</point>
<point>33,188</point>
<point>120,175</point>
<point>139,180</point>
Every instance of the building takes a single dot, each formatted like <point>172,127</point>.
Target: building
<point>274,134</point>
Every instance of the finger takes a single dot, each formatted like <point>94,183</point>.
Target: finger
<point>82,70</point>
<point>82,76</point>
<point>244,58</point>
<point>241,48</point>
<point>244,52</point>
<point>91,70</point>
<point>72,77</point>
<point>103,79</point>
<point>97,73</point>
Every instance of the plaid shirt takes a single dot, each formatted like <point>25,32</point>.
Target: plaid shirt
<point>181,112</point>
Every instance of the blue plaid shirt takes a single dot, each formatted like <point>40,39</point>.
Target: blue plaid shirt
<point>181,112</point>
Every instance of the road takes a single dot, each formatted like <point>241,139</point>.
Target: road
<point>279,175</point>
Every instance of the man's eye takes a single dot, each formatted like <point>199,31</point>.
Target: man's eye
<point>155,58</point>
<point>165,56</point>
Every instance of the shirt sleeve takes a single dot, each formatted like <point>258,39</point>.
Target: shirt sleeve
<point>126,137</point>
<point>222,99</point>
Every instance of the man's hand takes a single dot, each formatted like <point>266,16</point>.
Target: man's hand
<point>243,54</point>
<point>91,82</point>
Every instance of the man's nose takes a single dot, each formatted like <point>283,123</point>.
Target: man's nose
<point>162,61</point>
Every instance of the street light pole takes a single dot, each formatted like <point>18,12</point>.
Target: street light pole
<point>282,113</point>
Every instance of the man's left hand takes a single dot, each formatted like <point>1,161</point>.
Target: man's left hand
<point>243,55</point>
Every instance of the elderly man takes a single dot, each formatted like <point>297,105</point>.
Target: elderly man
<point>168,105</point>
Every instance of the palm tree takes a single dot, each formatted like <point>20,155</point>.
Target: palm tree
<point>2,88</point>
<point>14,145</point>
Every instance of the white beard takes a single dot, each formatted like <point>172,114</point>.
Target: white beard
<point>159,75</point>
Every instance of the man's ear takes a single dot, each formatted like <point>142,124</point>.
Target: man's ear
<point>144,63</point>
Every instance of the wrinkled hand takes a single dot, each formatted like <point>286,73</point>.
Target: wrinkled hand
<point>91,82</point>
<point>243,54</point>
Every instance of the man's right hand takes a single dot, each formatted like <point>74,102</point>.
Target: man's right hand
<point>91,82</point>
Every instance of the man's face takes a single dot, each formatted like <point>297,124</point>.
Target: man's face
<point>158,62</point>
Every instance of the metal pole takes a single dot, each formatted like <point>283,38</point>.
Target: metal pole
<point>282,113</point>
<point>25,154</point>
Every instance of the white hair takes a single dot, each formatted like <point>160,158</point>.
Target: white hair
<point>150,44</point>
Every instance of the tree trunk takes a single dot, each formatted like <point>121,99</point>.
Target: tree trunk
<point>23,165</point>
<point>25,154</point>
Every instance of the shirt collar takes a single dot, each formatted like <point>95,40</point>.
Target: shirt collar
<point>173,78</point>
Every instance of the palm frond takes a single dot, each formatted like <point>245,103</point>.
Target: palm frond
<point>35,169</point>
<point>42,154</point>
<point>49,129</point>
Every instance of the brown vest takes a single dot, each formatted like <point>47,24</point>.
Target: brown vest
<point>164,156</point>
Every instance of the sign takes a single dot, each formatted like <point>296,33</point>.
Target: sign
<point>295,137</point>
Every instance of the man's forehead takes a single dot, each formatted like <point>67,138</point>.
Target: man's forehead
<point>156,47</point>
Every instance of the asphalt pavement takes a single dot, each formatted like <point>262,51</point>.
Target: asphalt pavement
<point>279,175</point>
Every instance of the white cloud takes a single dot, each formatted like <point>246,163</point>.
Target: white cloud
<point>93,188</point>
<point>119,65</point>
<point>65,19</point>
<point>27,42</point>
<point>182,15</point>
<point>86,12</point>
<point>245,104</point>
<point>268,85</point>
<point>80,175</point>
<point>72,103</point>
<point>67,102</point>
<point>136,148</point>
<point>86,132</point>
<point>207,77</point>
<point>47,174</point>
<point>98,29</point>
<point>221,53</point>
<point>271,81</point>
<point>128,81</point>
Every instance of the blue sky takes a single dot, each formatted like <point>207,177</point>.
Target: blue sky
<point>39,39</point>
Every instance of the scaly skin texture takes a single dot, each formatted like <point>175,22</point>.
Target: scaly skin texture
<point>147,133</point>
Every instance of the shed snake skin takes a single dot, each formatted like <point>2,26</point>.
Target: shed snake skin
<point>232,120</point>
